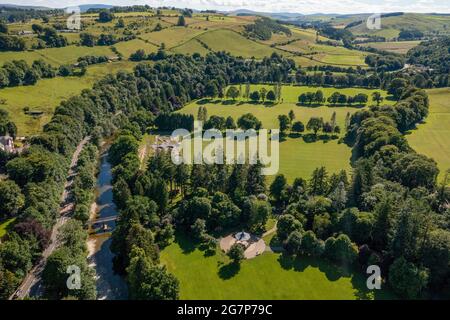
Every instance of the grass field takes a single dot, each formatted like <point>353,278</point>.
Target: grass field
<point>4,226</point>
<point>401,47</point>
<point>298,157</point>
<point>432,137</point>
<point>129,47</point>
<point>391,26</point>
<point>56,56</point>
<point>269,276</point>
<point>47,94</point>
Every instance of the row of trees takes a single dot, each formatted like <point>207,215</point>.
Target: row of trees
<point>18,72</point>
<point>144,226</point>
<point>318,97</point>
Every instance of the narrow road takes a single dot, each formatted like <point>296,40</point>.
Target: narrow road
<point>32,284</point>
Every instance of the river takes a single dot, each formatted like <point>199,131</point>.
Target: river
<point>110,286</point>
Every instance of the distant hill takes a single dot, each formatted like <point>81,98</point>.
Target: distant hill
<point>274,15</point>
<point>6,5</point>
<point>86,7</point>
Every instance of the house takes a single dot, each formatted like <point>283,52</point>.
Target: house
<point>7,144</point>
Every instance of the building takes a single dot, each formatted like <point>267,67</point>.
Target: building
<point>7,144</point>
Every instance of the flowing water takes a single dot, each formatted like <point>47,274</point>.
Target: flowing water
<point>110,286</point>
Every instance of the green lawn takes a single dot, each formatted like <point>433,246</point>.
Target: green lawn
<point>298,158</point>
<point>432,137</point>
<point>4,226</point>
<point>269,276</point>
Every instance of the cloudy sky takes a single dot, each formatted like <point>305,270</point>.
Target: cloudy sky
<point>298,6</point>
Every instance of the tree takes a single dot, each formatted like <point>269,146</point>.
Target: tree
<point>298,127</point>
<point>311,245</point>
<point>249,121</point>
<point>236,253</point>
<point>263,94</point>
<point>255,96</point>
<point>315,124</point>
<point>286,225</point>
<point>396,87</point>
<point>181,21</point>
<point>11,199</point>
<point>339,197</point>
<point>139,55</point>
<point>291,116</point>
<point>258,212</point>
<point>229,123</point>
<point>318,184</point>
<point>105,16</point>
<point>406,279</point>
<point>120,23</point>
<point>232,93</point>
<point>319,97</point>
<point>293,243</point>
<point>341,250</point>
<point>277,187</point>
<point>377,97</point>
<point>271,96</point>
<point>124,145</point>
<point>149,282</point>
<point>284,123</point>
<point>3,27</point>
<point>212,89</point>
<point>36,28</point>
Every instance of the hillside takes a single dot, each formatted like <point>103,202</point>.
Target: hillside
<point>391,26</point>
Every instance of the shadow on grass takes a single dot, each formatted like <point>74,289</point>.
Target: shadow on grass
<point>228,271</point>
<point>335,272</point>
<point>300,263</point>
<point>186,244</point>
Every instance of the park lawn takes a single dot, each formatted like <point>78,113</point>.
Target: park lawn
<point>4,225</point>
<point>290,93</point>
<point>298,159</point>
<point>47,94</point>
<point>268,276</point>
<point>432,138</point>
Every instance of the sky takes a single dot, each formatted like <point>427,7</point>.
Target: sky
<point>293,6</point>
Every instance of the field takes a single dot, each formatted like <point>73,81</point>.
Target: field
<point>269,276</point>
<point>298,156</point>
<point>431,138</point>
<point>56,56</point>
<point>47,94</point>
<point>401,47</point>
<point>391,26</point>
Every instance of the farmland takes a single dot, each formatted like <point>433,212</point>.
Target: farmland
<point>431,137</point>
<point>401,47</point>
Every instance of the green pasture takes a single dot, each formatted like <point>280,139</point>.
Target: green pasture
<point>432,137</point>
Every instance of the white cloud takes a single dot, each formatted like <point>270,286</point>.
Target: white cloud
<point>300,6</point>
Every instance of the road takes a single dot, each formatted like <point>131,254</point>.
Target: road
<point>32,284</point>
